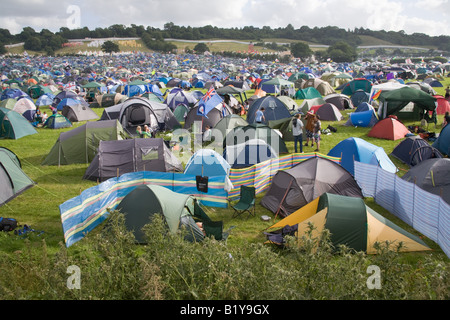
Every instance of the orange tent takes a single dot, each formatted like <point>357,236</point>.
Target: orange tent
<point>389,128</point>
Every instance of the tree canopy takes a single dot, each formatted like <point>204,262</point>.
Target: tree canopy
<point>154,37</point>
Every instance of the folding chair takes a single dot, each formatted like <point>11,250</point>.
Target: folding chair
<point>246,202</point>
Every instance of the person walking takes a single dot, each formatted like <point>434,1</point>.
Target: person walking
<point>297,131</point>
<point>260,116</point>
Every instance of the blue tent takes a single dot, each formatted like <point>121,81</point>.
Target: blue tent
<point>45,100</point>
<point>362,119</point>
<point>207,163</point>
<point>70,102</point>
<point>359,97</point>
<point>413,150</point>
<point>275,109</point>
<point>357,149</point>
<point>249,153</point>
<point>364,106</point>
<point>442,143</point>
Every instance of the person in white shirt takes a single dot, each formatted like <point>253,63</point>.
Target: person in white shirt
<point>207,134</point>
<point>297,132</point>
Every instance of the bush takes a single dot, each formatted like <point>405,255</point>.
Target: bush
<point>113,267</point>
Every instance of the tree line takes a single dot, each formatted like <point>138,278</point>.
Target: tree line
<point>153,38</point>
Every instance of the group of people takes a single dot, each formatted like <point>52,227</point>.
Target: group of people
<point>39,117</point>
<point>313,129</point>
<point>146,133</point>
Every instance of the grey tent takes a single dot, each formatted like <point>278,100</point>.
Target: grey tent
<point>13,181</point>
<point>118,157</point>
<point>134,112</point>
<point>329,112</point>
<point>432,175</point>
<point>212,118</point>
<point>229,123</point>
<point>78,113</point>
<point>164,115</point>
<point>293,188</point>
<point>341,101</point>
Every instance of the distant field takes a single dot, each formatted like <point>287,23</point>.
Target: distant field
<point>215,45</point>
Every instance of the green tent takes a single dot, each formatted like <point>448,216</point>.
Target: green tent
<point>307,93</point>
<point>35,91</point>
<point>284,126</point>
<point>350,222</point>
<point>393,101</point>
<point>13,181</point>
<point>13,125</point>
<point>178,210</point>
<point>80,145</point>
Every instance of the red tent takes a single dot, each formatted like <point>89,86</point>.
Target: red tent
<point>389,128</point>
<point>443,105</point>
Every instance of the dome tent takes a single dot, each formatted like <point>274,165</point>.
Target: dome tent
<point>413,149</point>
<point>357,149</point>
<point>256,131</point>
<point>206,163</point>
<point>229,123</point>
<point>432,175</point>
<point>442,143</point>
<point>78,113</point>
<point>389,128</point>
<point>249,153</point>
<point>178,210</point>
<point>350,222</point>
<point>275,109</point>
<point>57,121</point>
<point>329,112</point>
<point>13,125</point>
<point>293,188</point>
<point>13,180</point>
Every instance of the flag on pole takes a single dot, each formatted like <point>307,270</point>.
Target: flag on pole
<point>208,102</point>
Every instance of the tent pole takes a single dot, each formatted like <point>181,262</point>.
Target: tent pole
<point>285,194</point>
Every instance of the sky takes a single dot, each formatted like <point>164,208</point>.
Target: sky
<point>430,17</point>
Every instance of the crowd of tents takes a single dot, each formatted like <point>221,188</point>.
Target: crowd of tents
<point>166,93</point>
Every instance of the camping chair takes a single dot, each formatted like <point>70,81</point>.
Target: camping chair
<point>246,202</point>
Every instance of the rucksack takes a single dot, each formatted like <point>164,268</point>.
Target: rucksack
<point>332,129</point>
<point>7,224</point>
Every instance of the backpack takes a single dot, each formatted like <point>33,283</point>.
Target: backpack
<point>332,129</point>
<point>7,224</point>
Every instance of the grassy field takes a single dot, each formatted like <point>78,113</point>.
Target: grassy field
<point>38,207</point>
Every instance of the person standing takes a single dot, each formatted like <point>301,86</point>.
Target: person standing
<point>309,128</point>
<point>259,118</point>
<point>317,132</point>
<point>297,131</point>
<point>446,119</point>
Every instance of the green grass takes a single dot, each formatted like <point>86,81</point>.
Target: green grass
<point>38,207</point>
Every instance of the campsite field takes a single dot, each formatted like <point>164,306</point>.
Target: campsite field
<point>38,208</point>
